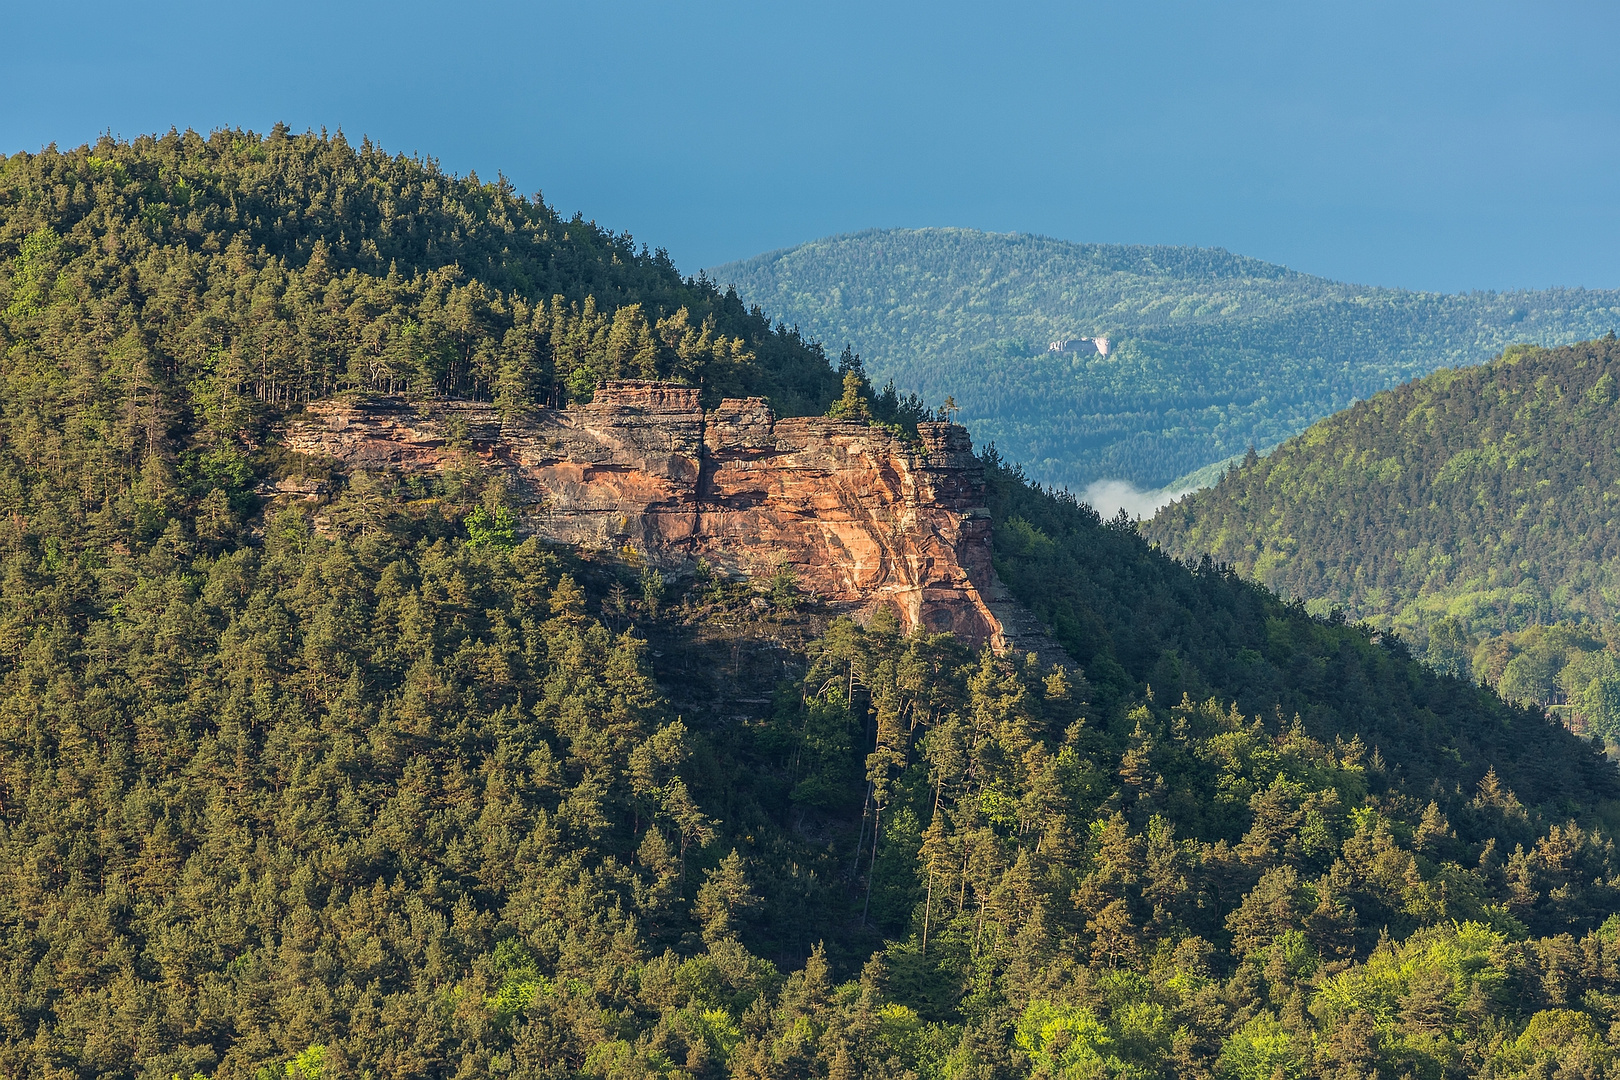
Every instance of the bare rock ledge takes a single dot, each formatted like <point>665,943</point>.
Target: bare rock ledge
<point>863,518</point>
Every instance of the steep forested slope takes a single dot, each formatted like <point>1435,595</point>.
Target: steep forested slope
<point>1212,352</point>
<point>1487,494</point>
<point>309,775</point>
<point>1477,511</point>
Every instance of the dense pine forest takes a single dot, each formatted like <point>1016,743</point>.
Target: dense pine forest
<point>1477,511</point>
<point>283,269</point>
<point>310,775</point>
<point>1211,352</point>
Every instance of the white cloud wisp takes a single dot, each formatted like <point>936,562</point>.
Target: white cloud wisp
<point>1108,497</point>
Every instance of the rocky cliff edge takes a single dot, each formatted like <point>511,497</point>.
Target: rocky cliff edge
<point>863,518</point>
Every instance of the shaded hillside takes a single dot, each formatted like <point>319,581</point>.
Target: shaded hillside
<point>313,773</point>
<point>1212,352</point>
<point>1490,495</point>
<point>1113,601</point>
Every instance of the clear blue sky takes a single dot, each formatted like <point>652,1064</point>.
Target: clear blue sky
<point>1429,145</point>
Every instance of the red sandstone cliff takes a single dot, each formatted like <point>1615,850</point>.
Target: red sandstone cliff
<point>864,518</point>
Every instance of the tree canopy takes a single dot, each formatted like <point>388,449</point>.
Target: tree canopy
<point>1476,511</point>
<point>289,267</point>
<point>308,774</point>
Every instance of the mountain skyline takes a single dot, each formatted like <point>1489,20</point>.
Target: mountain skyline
<point>1375,142</point>
<point>1210,351</point>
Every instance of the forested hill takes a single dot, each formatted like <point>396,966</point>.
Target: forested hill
<point>291,267</point>
<point>1490,495</point>
<point>308,774</point>
<point>1212,352</point>
<point>1476,511</point>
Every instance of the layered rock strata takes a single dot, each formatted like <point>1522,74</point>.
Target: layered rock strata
<point>863,518</point>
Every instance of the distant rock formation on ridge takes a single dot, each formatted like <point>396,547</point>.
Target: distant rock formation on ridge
<point>1098,344</point>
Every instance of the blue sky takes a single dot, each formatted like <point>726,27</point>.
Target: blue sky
<point>1445,146</point>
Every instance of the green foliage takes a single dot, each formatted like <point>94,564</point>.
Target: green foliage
<point>652,589</point>
<point>785,588</point>
<point>494,528</point>
<point>1066,1041</point>
<point>1134,617</point>
<point>1473,511</point>
<point>234,272</point>
<point>852,405</point>
<point>307,1063</point>
<point>859,402</point>
<point>1211,352</point>
<point>1564,668</point>
<point>1263,1050</point>
<point>1486,496</point>
<point>311,775</point>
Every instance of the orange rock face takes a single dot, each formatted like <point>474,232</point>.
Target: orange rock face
<point>863,518</point>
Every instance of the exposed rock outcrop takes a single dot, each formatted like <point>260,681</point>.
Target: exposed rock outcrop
<point>862,517</point>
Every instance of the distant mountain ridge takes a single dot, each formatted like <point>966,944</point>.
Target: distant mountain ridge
<point>1210,351</point>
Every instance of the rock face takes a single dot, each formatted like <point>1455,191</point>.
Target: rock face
<point>863,518</point>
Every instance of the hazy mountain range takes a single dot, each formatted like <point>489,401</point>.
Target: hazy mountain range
<point>1210,352</point>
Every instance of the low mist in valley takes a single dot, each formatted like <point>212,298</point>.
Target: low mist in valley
<point>1108,497</point>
